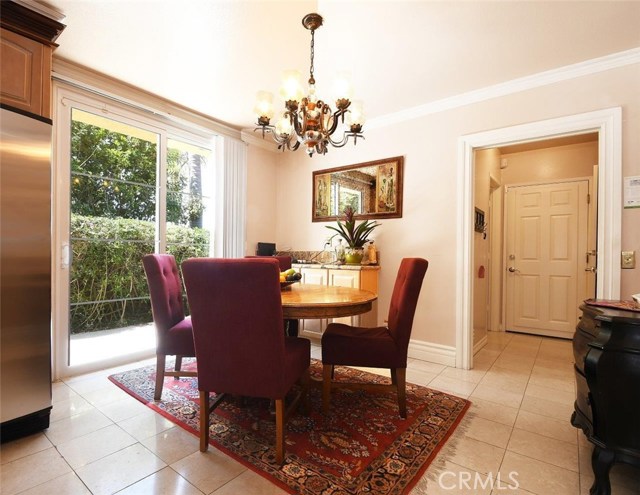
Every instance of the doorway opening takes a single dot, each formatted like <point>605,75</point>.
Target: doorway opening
<point>534,262</point>
<point>606,124</point>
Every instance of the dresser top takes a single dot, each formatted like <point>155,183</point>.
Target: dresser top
<point>616,311</point>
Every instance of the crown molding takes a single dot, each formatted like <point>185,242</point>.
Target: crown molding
<point>588,67</point>
<point>253,139</point>
<point>42,8</point>
<point>32,20</point>
<point>87,79</point>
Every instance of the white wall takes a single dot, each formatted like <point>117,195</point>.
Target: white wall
<point>487,164</point>
<point>560,162</point>
<point>262,190</point>
<point>429,145</point>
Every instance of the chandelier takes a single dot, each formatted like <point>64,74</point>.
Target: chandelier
<point>308,120</point>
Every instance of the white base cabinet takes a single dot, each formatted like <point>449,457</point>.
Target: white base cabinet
<point>316,276</point>
<point>366,279</point>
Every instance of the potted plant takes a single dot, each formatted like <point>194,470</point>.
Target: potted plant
<point>356,236</point>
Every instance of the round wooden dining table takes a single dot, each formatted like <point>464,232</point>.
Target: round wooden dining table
<point>324,301</point>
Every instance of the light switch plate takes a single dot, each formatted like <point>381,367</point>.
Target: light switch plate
<point>628,259</point>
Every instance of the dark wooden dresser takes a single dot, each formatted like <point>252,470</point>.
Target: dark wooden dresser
<point>606,351</point>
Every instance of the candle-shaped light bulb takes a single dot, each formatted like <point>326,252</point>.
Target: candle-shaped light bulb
<point>264,105</point>
<point>291,88</point>
<point>342,87</point>
<point>283,127</point>
<point>355,116</point>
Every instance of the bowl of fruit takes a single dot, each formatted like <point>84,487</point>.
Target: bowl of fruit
<point>289,277</point>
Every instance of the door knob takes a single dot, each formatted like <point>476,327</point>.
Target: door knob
<point>513,269</point>
<point>591,269</point>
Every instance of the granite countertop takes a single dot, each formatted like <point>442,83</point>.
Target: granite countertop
<point>334,266</point>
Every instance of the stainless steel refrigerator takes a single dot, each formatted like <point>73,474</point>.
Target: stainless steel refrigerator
<point>25,273</point>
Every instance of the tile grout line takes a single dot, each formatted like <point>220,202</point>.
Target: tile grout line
<point>504,453</point>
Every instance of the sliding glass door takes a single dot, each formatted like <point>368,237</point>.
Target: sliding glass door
<point>132,187</point>
<point>189,205</point>
<point>113,200</point>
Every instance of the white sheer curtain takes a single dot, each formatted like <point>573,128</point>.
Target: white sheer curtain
<point>232,189</point>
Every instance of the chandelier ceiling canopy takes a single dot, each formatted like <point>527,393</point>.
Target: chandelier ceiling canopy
<point>308,120</point>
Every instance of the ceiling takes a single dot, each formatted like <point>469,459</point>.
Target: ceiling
<point>213,55</point>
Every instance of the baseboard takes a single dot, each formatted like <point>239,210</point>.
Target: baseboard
<point>434,353</point>
<point>543,333</point>
<point>481,343</point>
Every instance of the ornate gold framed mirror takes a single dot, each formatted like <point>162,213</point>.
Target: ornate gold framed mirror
<point>372,189</point>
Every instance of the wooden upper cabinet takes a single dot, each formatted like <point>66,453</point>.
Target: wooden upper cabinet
<point>26,74</point>
<point>26,47</point>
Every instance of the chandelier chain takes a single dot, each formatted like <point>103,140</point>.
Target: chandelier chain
<point>311,68</point>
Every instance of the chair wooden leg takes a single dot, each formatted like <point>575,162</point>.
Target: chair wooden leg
<point>204,421</point>
<point>327,373</point>
<point>394,377</point>
<point>279,431</point>
<point>401,383</point>
<point>178,366</point>
<point>161,360</point>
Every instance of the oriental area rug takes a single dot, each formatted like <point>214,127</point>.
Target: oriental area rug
<point>362,446</point>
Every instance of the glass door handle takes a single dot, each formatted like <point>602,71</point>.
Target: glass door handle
<point>65,256</point>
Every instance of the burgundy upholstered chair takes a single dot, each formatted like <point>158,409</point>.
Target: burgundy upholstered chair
<point>174,335</point>
<point>290,326</point>
<point>381,347</point>
<point>283,261</point>
<point>236,307</point>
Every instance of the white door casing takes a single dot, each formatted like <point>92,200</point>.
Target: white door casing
<point>592,238</point>
<point>495,259</point>
<point>546,240</point>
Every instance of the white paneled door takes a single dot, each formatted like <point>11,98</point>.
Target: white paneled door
<point>546,246</point>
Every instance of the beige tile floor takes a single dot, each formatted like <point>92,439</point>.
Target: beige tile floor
<point>101,441</point>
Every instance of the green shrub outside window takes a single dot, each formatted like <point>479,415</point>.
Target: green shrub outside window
<point>113,210</point>
<point>108,284</point>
